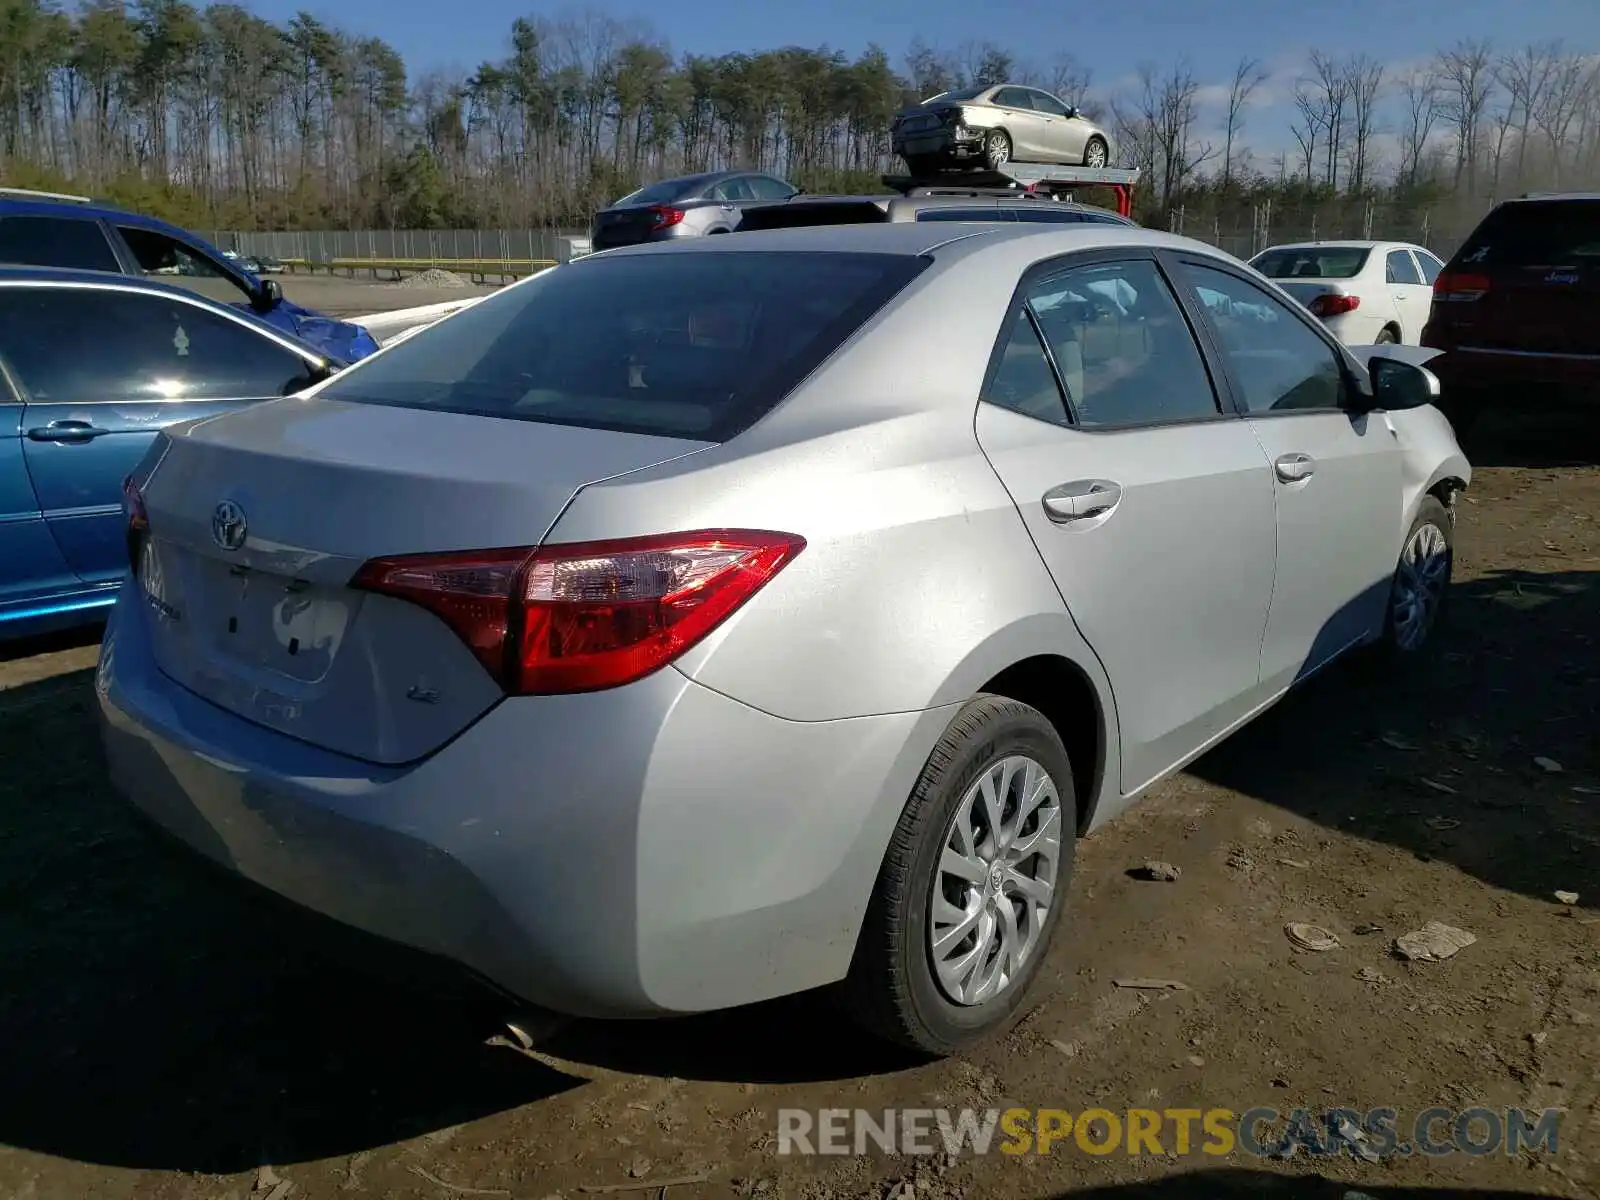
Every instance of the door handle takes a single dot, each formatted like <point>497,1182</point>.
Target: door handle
<point>1083,498</point>
<point>1294,468</point>
<point>66,431</point>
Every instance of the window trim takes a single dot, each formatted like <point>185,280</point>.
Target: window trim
<point>1405,253</point>
<point>314,362</point>
<point>112,242</point>
<point>1062,264</point>
<point>1352,379</point>
<point>218,262</point>
<point>1420,255</point>
<point>1014,87</point>
<point>1065,114</point>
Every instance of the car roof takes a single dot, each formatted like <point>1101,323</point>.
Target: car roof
<point>917,238</point>
<point>1344,244</point>
<point>30,206</point>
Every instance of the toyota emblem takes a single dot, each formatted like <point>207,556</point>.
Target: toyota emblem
<point>228,525</point>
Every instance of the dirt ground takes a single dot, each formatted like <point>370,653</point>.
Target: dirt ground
<point>166,1035</point>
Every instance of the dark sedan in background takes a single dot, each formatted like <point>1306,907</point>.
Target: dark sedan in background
<point>689,206</point>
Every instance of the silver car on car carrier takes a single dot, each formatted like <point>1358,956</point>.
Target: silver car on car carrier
<point>700,623</point>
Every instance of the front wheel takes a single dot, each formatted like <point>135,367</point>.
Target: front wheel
<point>1420,589</point>
<point>973,884</point>
<point>1097,155</point>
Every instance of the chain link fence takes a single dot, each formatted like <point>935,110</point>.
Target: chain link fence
<point>1242,232</point>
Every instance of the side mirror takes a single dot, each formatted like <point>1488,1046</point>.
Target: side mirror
<point>1072,110</point>
<point>1397,385</point>
<point>268,296</point>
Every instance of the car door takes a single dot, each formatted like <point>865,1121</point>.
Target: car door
<point>100,370</point>
<point>1337,473</point>
<point>1151,505</point>
<point>1021,122</point>
<point>1062,139</point>
<point>1412,296</point>
<point>31,567</point>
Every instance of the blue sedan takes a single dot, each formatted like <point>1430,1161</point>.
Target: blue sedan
<point>91,367</point>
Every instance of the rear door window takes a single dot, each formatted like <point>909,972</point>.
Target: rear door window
<point>768,188</point>
<point>1537,235</point>
<point>737,188</point>
<point>71,243</point>
<point>1400,269</point>
<point>965,214</point>
<point>691,345</point>
<point>1013,97</point>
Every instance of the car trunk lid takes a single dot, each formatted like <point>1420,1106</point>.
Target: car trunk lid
<point>258,521</point>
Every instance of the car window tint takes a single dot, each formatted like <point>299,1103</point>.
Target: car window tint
<point>767,188</point>
<point>68,242</point>
<point>1399,268</point>
<point>1278,361</point>
<point>1013,98</point>
<point>1022,379</point>
<point>675,345</point>
<point>1429,265</point>
<point>964,214</point>
<point>1125,353</point>
<point>1537,235</point>
<point>80,345</point>
<point>1047,214</point>
<point>1046,103</point>
<point>1311,262</point>
<point>737,188</point>
<point>171,261</point>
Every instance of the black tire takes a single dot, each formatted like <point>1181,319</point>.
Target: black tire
<point>1386,337</point>
<point>1393,649</point>
<point>892,988</point>
<point>1088,153</point>
<point>996,149</point>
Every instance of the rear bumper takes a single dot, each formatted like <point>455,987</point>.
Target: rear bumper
<point>653,849</point>
<point>1526,375</point>
<point>941,143</point>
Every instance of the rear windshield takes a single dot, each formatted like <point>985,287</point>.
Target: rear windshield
<point>1544,233</point>
<point>794,214</point>
<point>666,191</point>
<point>1312,262</point>
<point>966,93</point>
<point>690,345</point>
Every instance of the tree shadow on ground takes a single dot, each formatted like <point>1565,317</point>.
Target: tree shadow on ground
<point>155,1013</point>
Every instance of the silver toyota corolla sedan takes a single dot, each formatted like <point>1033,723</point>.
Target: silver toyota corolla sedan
<point>699,623</point>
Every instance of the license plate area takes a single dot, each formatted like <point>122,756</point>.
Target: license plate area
<point>916,124</point>
<point>256,620</point>
<point>924,145</point>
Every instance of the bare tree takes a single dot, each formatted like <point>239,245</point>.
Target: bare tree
<point>1248,76</point>
<point>1331,82</point>
<point>1420,91</point>
<point>1158,125</point>
<point>1067,78</point>
<point>1526,77</point>
<point>1565,100</point>
<point>1363,85</point>
<point>1467,82</point>
<point>1311,118</point>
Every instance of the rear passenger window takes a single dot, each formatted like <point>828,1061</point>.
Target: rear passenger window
<point>68,242</point>
<point>964,214</point>
<point>1124,351</point>
<point>1023,380</point>
<point>1045,215</point>
<point>1430,265</point>
<point>1400,269</point>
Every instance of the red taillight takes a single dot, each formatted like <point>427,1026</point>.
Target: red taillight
<point>586,615</point>
<point>665,216</point>
<point>1455,285</point>
<point>1332,304</point>
<point>136,521</point>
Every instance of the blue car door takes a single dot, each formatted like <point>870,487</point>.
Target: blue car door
<point>32,571</point>
<point>101,370</point>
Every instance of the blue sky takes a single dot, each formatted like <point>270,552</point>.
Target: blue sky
<point>1113,36</point>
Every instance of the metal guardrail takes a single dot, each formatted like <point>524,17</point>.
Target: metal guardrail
<point>478,269</point>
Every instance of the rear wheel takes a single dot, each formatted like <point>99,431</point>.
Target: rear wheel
<point>996,149</point>
<point>1097,155</point>
<point>1386,337</point>
<point>973,884</point>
